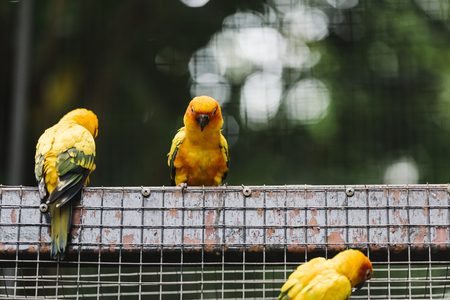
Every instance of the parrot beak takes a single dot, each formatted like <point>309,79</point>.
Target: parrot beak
<point>358,286</point>
<point>202,120</point>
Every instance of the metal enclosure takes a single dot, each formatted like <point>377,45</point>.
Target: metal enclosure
<point>225,242</point>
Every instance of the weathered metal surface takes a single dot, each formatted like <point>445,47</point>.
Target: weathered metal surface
<point>295,218</point>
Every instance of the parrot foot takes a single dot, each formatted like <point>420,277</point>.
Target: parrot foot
<point>224,184</point>
<point>182,185</point>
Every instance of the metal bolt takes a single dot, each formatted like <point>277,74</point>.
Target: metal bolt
<point>145,192</point>
<point>43,208</point>
<point>246,191</point>
<point>350,191</point>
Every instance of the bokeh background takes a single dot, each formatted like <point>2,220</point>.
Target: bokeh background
<point>312,92</point>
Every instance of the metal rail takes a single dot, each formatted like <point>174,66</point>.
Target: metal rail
<point>267,218</point>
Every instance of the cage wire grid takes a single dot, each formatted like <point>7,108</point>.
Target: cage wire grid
<point>217,243</point>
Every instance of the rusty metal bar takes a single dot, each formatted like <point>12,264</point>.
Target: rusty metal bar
<point>272,218</point>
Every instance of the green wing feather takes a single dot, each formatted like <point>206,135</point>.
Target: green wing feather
<point>38,171</point>
<point>73,168</point>
<point>39,166</point>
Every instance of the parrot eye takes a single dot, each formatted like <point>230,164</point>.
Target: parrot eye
<point>368,274</point>
<point>192,109</point>
<point>214,112</point>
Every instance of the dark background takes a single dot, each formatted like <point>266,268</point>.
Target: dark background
<point>379,72</point>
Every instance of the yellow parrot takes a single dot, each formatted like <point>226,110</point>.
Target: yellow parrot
<point>199,153</point>
<point>332,279</point>
<point>64,159</point>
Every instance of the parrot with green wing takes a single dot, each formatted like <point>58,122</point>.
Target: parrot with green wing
<point>64,159</point>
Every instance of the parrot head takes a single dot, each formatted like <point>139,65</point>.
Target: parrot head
<point>203,113</point>
<point>364,273</point>
<point>83,117</point>
<point>355,266</point>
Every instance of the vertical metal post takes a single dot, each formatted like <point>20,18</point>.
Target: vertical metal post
<point>264,243</point>
<point>21,70</point>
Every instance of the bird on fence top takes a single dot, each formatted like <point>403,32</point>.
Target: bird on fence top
<point>199,151</point>
<point>332,279</point>
<point>64,159</point>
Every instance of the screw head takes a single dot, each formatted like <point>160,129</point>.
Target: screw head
<point>247,192</point>
<point>145,192</point>
<point>43,208</point>
<point>350,191</point>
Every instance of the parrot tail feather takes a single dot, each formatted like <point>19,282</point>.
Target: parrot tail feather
<point>61,220</point>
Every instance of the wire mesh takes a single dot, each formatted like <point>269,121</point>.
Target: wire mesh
<point>216,243</point>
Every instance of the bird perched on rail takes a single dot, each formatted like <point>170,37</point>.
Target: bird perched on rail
<point>64,159</point>
<point>199,152</point>
<point>332,279</point>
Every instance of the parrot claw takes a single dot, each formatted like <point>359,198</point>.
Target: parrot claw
<point>182,185</point>
<point>224,184</point>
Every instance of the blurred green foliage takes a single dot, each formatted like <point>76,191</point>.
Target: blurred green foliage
<point>386,68</point>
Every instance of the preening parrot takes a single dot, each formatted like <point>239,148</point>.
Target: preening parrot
<point>199,153</point>
<point>64,159</point>
<point>331,279</point>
